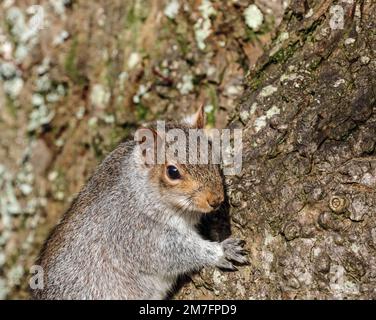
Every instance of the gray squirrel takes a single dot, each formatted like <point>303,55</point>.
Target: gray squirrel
<point>131,231</point>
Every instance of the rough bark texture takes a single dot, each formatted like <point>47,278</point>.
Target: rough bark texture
<point>306,201</point>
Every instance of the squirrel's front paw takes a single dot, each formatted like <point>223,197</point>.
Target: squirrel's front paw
<point>233,251</point>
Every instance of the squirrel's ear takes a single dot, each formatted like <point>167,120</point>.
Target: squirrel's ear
<point>148,140</point>
<point>198,120</point>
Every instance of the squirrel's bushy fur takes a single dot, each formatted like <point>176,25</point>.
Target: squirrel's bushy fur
<point>124,238</point>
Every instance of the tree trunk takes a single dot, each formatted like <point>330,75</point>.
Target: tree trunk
<point>306,201</point>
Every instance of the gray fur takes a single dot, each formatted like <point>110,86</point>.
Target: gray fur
<point>120,241</point>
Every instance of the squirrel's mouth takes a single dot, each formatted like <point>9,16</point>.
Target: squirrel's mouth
<point>203,206</point>
<point>194,205</point>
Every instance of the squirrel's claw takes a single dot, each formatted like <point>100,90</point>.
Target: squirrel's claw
<point>225,264</point>
<point>232,242</point>
<point>234,251</point>
<point>238,258</point>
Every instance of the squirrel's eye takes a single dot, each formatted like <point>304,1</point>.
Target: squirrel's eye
<point>173,173</point>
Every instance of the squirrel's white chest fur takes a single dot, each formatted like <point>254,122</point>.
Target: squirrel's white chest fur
<point>164,284</point>
<point>184,224</point>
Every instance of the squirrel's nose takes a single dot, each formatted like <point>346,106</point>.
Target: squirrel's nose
<point>215,201</point>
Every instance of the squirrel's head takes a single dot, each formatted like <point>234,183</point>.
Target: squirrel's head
<point>186,185</point>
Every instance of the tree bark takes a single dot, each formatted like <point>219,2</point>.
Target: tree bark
<point>306,201</point>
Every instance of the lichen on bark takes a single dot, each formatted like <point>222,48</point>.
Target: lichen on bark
<point>306,199</point>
